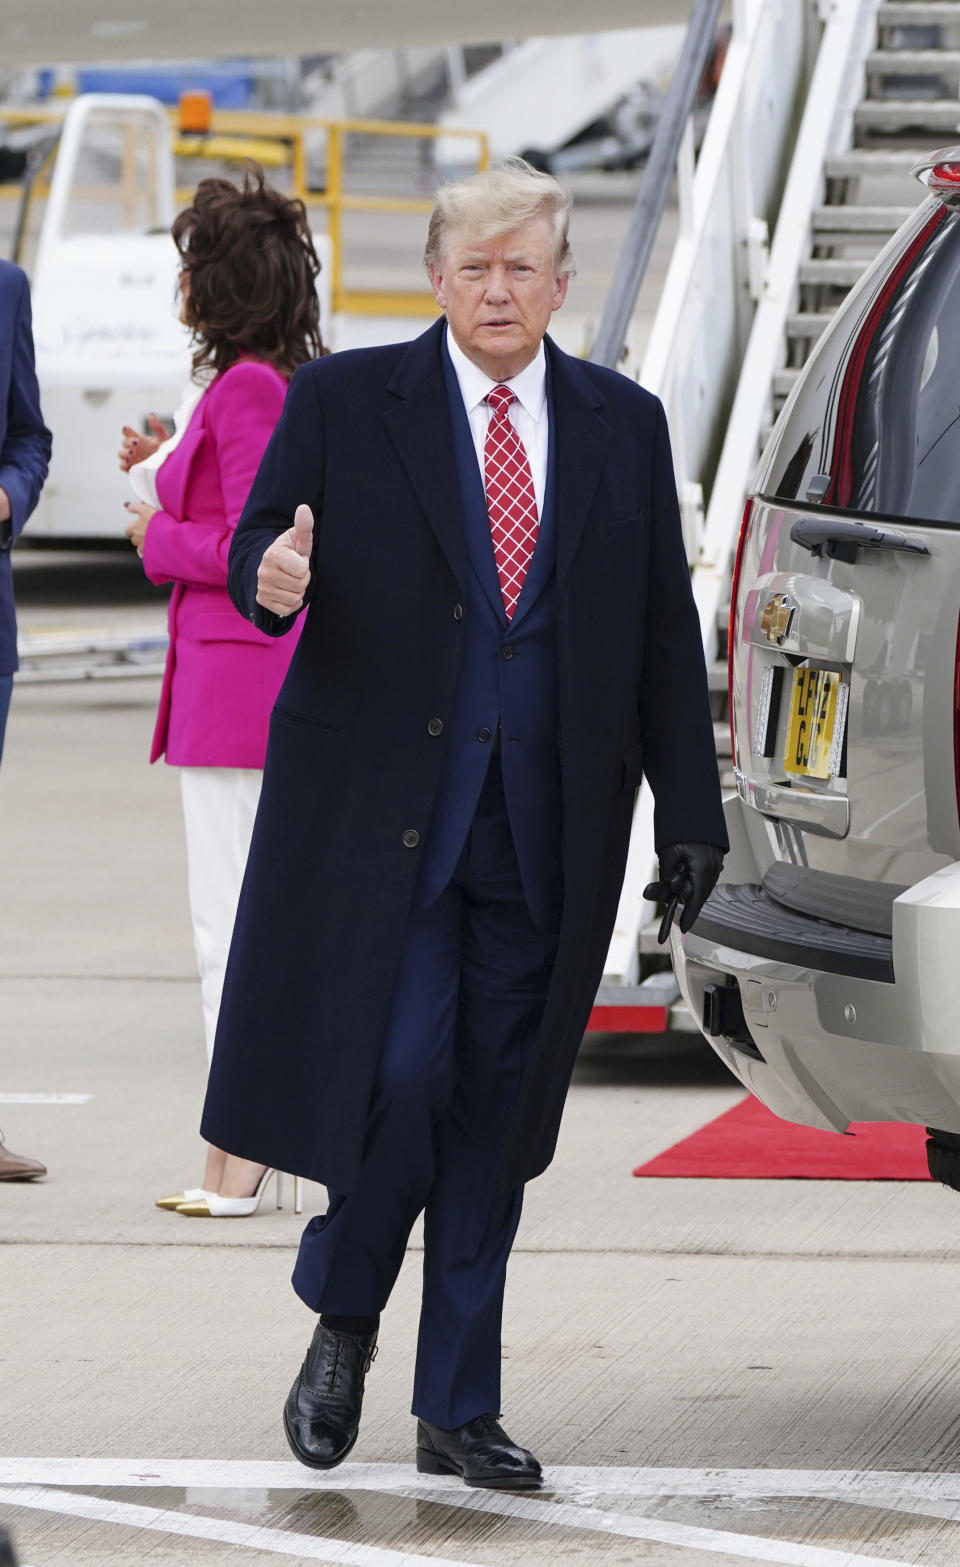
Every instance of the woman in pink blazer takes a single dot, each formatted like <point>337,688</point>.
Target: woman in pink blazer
<point>248,293</point>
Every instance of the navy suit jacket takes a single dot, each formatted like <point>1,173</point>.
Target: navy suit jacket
<point>518,691</point>
<point>25,441</point>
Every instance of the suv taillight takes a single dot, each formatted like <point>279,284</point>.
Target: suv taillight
<point>732,625</point>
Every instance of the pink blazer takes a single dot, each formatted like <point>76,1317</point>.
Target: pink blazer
<point>222,675</point>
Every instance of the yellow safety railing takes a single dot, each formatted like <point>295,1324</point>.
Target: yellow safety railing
<point>277,142</point>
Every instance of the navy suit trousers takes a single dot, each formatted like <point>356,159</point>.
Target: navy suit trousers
<point>469,998</point>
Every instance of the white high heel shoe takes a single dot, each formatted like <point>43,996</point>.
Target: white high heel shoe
<point>213,1206</point>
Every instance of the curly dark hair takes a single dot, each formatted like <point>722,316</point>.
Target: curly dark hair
<point>251,266</point>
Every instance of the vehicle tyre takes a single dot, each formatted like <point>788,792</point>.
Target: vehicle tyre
<point>871,697</point>
<point>904,704</point>
<point>883,716</point>
<point>943,1157</point>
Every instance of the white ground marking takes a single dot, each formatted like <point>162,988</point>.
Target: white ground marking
<point>722,1542</point>
<point>282,1542</point>
<point>45,1099</point>
<point>883,1486</point>
<point>927,1494</point>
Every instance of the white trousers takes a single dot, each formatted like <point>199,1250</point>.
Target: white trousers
<point>219,806</point>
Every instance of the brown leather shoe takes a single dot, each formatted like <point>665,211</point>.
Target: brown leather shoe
<point>16,1167</point>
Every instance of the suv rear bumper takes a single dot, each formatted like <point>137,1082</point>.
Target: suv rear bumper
<point>835,1036</point>
<point>741,914</point>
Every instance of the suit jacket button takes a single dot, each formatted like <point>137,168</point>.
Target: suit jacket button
<point>484,734</point>
<point>507,652</point>
<point>458,611</point>
<point>411,838</point>
<point>435,726</point>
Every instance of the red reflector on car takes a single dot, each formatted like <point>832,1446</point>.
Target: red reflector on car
<point>940,172</point>
<point>732,624</point>
<point>943,176</point>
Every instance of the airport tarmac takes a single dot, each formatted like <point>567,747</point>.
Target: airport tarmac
<point>711,1371</point>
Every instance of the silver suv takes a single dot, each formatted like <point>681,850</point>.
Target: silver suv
<point>825,968</point>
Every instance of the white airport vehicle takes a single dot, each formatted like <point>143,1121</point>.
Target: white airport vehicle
<point>110,347</point>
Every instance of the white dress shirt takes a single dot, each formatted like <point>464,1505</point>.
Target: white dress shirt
<point>528,414</point>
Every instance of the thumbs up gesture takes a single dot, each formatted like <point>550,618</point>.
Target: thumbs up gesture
<point>283,575</point>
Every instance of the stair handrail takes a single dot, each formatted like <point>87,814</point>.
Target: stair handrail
<point>655,190</point>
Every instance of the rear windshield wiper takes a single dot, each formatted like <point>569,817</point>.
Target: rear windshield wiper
<point>842,540</point>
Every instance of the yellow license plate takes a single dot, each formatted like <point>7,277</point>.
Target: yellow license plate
<point>813,718</point>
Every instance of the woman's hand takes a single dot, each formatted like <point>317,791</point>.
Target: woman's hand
<point>135,447</point>
<point>136,529</point>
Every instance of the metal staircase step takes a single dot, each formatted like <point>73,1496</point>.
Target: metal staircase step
<point>721,735</point>
<point>874,163</point>
<point>835,273</point>
<point>717,675</point>
<point>939,116</point>
<point>783,381</point>
<point>914,62</point>
<point>911,13</point>
<point>859,220</point>
<point>807,325</point>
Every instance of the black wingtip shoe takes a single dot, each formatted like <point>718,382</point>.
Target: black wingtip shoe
<point>321,1416</point>
<point>480,1452</point>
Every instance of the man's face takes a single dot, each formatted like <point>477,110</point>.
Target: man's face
<point>499,294</point>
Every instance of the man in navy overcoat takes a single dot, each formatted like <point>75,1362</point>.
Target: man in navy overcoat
<point>24,458</point>
<point>501,640</point>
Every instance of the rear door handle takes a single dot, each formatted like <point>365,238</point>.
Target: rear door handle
<point>842,540</point>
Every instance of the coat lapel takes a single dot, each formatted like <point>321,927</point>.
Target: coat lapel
<point>419,426</point>
<point>173,475</point>
<point>581,438</point>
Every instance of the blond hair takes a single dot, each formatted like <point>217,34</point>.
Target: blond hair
<point>497,201</point>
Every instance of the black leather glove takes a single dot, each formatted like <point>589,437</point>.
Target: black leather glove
<point>688,874</point>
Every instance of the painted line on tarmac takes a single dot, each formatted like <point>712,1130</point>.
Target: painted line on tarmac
<point>45,1099</point>
<point>282,1542</point>
<point>720,1542</point>
<point>882,1485</point>
<point>873,1488</point>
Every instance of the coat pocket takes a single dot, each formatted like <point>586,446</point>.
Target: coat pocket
<point>632,763</point>
<point>223,625</point>
<point>624,527</point>
<point>305,720</point>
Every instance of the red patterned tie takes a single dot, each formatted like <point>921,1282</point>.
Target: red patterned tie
<point>511,502</point>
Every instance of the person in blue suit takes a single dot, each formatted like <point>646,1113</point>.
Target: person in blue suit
<point>501,640</point>
<point>25,446</point>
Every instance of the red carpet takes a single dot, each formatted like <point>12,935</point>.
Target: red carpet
<point>750,1143</point>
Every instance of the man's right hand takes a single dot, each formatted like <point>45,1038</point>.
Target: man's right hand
<point>283,575</point>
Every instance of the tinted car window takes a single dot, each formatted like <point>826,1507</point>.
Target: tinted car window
<point>875,426</point>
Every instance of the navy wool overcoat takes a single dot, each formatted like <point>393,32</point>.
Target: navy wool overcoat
<point>365,439</point>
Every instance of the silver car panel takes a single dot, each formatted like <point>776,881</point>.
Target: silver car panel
<point>868,445</point>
